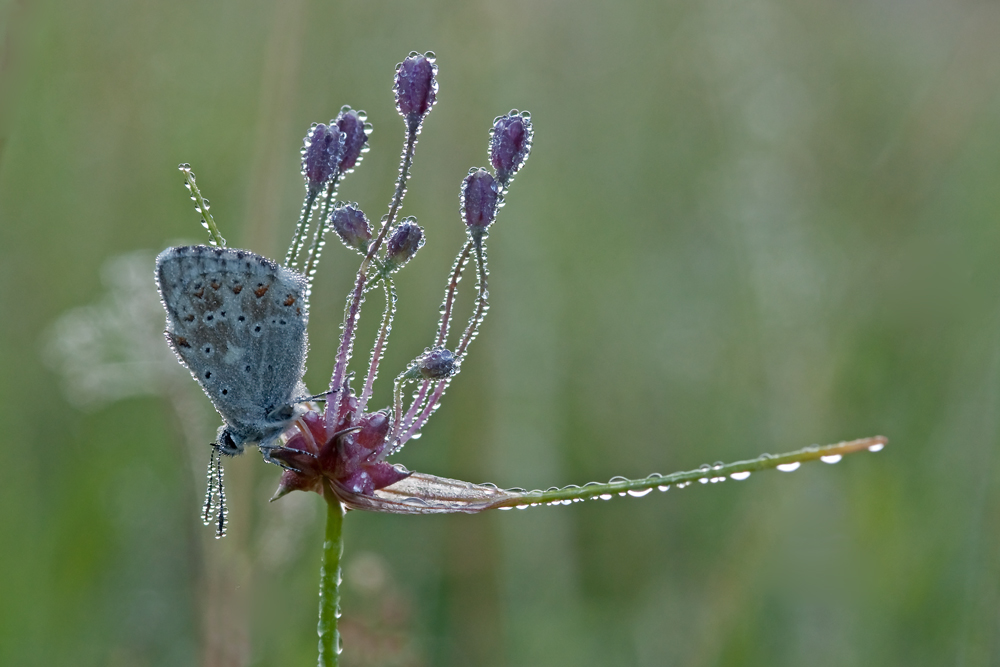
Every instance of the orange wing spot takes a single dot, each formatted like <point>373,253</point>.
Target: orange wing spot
<point>189,318</point>
<point>237,289</point>
<point>200,293</point>
<point>181,341</point>
<point>298,311</point>
<point>261,290</point>
<point>215,285</point>
<point>290,300</point>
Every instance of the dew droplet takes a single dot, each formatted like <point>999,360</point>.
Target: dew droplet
<point>789,467</point>
<point>605,496</point>
<point>703,480</point>
<point>740,476</point>
<point>832,458</point>
<point>877,447</point>
<point>664,487</point>
<point>638,493</point>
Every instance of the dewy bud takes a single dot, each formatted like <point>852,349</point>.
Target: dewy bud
<point>436,364</point>
<point>479,200</point>
<point>416,87</point>
<point>403,244</point>
<point>510,143</point>
<point>352,125</point>
<point>321,154</point>
<point>351,226</point>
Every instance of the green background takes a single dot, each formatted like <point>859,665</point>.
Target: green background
<point>744,227</point>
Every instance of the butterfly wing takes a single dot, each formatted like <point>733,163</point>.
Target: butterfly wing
<point>237,321</point>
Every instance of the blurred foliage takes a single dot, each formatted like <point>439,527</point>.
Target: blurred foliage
<point>745,227</point>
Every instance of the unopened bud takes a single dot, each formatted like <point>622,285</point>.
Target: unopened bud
<point>510,143</point>
<point>403,244</point>
<point>479,200</point>
<point>321,154</point>
<point>436,364</point>
<point>416,85</point>
<point>352,125</point>
<point>351,226</point>
<point>374,428</point>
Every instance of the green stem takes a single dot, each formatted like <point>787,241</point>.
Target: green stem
<point>317,247</point>
<point>329,582</point>
<point>201,204</point>
<point>704,475</point>
<point>291,258</point>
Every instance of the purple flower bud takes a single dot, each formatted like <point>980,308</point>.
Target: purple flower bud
<point>352,125</point>
<point>403,244</point>
<point>510,143</point>
<point>374,428</point>
<point>479,200</point>
<point>351,226</point>
<point>436,364</point>
<point>321,154</point>
<point>415,85</point>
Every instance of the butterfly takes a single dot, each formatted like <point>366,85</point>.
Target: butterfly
<point>237,321</point>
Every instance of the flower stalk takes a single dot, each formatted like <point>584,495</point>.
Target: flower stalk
<point>329,581</point>
<point>202,206</point>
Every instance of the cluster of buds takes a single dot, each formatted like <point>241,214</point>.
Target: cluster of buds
<point>329,152</point>
<point>343,448</point>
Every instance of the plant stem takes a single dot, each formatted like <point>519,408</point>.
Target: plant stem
<point>291,259</point>
<point>317,244</point>
<point>383,335</point>
<point>329,582</point>
<point>354,303</point>
<point>202,205</point>
<point>705,475</point>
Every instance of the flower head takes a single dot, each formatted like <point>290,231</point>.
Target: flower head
<point>416,85</point>
<point>510,143</point>
<point>351,225</point>
<point>324,146</point>
<point>404,243</point>
<point>480,196</point>
<point>352,125</point>
<point>350,457</point>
